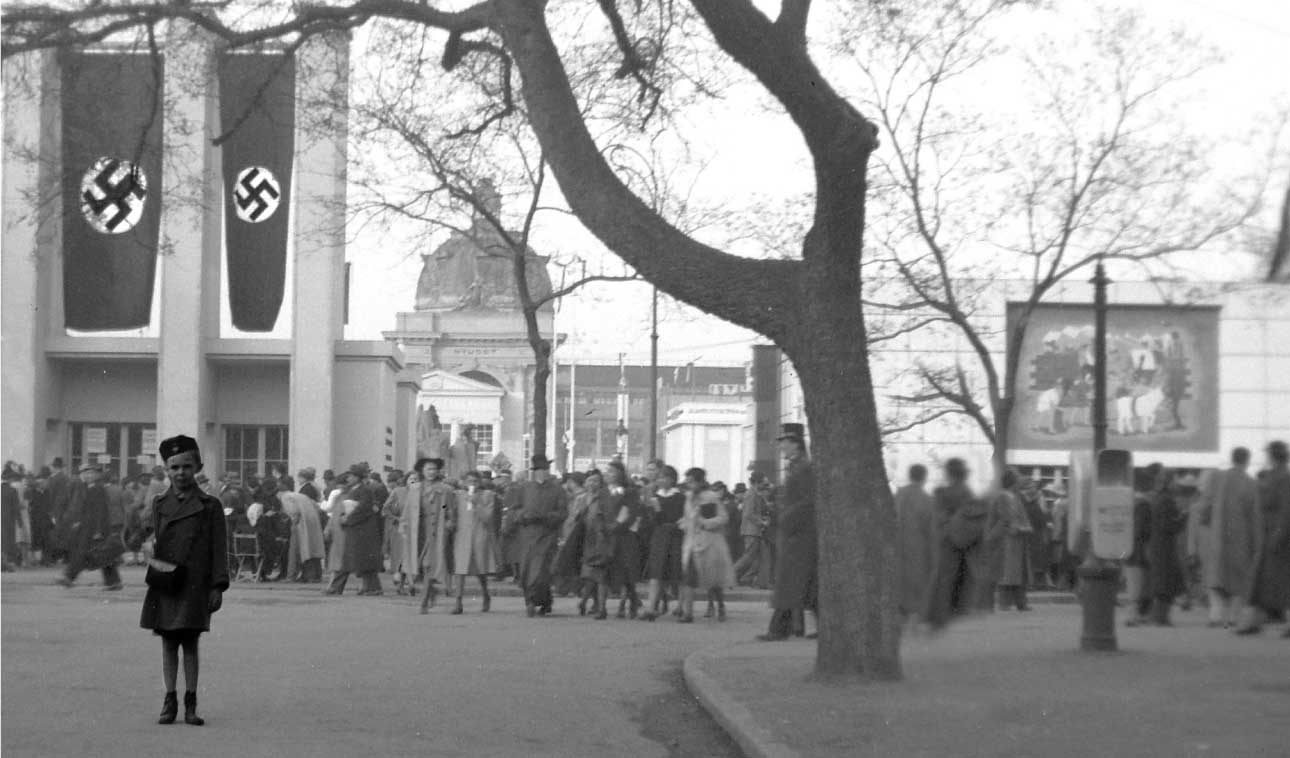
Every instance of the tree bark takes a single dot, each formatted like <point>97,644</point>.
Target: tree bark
<point>541,380</point>
<point>858,621</point>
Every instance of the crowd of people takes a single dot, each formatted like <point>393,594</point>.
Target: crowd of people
<point>592,535</point>
<point>1222,539</point>
<point>595,535</point>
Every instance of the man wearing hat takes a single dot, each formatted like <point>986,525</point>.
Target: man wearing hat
<point>796,550</point>
<point>189,572</point>
<point>537,506</point>
<point>93,540</point>
<point>60,492</point>
<point>425,539</point>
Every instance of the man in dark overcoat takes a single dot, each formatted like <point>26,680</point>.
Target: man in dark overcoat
<point>94,536</point>
<point>538,507</point>
<point>188,573</point>
<point>60,491</point>
<point>1270,587</point>
<point>916,513</point>
<point>363,534</point>
<point>797,550</point>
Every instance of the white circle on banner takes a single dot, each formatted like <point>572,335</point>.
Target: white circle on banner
<point>113,194</point>
<point>256,194</point>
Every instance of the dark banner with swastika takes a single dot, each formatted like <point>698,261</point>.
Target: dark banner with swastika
<point>111,105</point>
<point>257,112</point>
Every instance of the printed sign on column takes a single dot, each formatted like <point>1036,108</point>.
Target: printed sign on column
<point>95,439</point>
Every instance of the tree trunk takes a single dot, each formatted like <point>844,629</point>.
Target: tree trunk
<point>1003,408</point>
<point>541,379</point>
<point>859,624</point>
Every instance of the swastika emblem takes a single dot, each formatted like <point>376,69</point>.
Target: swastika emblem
<point>113,193</point>
<point>256,194</point>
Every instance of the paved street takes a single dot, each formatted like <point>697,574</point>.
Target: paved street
<point>288,672</point>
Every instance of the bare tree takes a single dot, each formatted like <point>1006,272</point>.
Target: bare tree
<point>1280,267</point>
<point>808,305</point>
<point>456,174</point>
<point>1097,168</point>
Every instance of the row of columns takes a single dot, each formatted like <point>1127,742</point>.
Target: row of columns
<point>190,243</point>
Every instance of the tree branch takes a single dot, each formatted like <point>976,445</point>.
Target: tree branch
<point>792,19</point>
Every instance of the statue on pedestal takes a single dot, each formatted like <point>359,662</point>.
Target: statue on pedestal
<point>463,454</point>
<point>432,438</point>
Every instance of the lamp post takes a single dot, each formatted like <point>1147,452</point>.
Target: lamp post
<point>1099,579</point>
<point>1099,282</point>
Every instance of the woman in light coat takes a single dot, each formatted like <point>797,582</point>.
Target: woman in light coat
<point>474,540</point>
<point>392,513</point>
<point>335,536</point>
<point>705,554</point>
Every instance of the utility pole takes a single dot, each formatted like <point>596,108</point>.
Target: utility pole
<point>573,406</point>
<point>624,410</point>
<point>653,378</point>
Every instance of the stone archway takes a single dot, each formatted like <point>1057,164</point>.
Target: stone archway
<point>483,376</point>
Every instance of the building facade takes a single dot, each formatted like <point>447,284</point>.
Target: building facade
<point>467,342</point>
<point>222,320</point>
<point>602,411</point>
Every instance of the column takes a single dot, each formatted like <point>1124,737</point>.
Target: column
<point>190,235</point>
<point>319,247</point>
<point>32,206</point>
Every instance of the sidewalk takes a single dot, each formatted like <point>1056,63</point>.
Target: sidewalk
<point>1013,684</point>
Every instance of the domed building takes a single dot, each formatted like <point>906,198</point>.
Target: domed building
<point>467,338</point>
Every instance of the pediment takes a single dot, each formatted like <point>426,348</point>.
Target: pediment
<point>441,382</point>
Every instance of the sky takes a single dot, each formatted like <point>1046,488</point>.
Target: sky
<point>602,321</point>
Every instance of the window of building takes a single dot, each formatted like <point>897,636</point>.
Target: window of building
<point>122,449</point>
<point>252,450</point>
<point>484,436</point>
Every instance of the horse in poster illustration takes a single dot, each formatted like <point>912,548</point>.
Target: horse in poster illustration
<point>1138,408</point>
